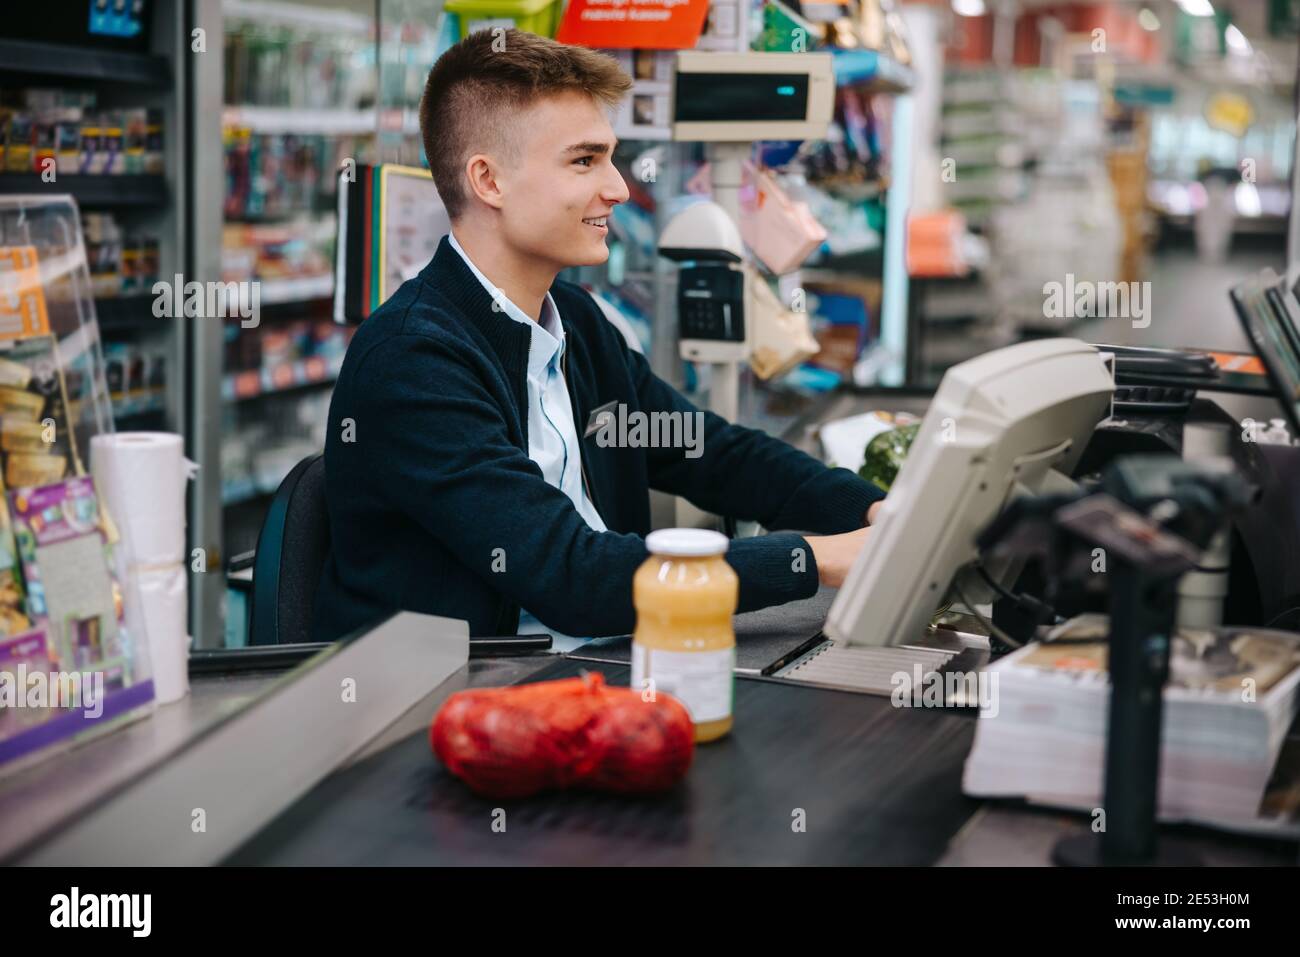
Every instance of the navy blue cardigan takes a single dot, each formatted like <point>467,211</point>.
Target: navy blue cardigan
<point>435,506</point>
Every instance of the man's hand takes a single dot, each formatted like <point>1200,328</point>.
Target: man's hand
<point>871,512</point>
<point>835,554</point>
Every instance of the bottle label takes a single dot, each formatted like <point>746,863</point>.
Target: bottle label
<point>701,680</point>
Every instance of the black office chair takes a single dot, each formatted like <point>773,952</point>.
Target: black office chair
<point>291,551</point>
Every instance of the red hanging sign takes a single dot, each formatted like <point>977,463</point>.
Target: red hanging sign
<point>633,24</point>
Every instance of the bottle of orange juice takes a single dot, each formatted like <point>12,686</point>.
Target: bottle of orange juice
<point>684,644</point>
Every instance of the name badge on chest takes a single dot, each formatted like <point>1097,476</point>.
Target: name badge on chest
<point>599,416</point>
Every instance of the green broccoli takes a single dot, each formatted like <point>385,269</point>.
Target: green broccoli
<point>885,454</point>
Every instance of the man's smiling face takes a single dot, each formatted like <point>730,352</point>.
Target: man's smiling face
<point>559,192</point>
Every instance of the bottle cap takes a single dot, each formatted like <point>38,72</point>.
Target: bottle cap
<point>686,542</point>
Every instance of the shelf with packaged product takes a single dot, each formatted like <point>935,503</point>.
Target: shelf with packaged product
<point>128,189</point>
<point>77,63</point>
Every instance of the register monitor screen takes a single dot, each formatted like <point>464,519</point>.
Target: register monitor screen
<point>1270,315</point>
<point>1013,421</point>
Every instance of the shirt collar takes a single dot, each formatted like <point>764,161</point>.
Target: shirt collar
<point>547,333</point>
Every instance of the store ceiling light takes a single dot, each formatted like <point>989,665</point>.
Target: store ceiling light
<point>1196,8</point>
<point>1148,20</point>
<point>1236,41</point>
<point>968,8</point>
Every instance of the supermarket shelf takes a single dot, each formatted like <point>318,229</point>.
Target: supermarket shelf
<point>298,15</point>
<point>243,493</point>
<point>135,189</point>
<point>284,377</point>
<point>980,87</point>
<point>126,312</point>
<point>940,351</point>
<point>998,120</point>
<point>987,184</point>
<point>871,69</point>
<point>851,190</point>
<point>302,122</point>
<point>139,408</point>
<point>322,206</point>
<point>405,121</point>
<point>941,312</point>
<point>83,63</point>
<point>954,300</point>
<point>988,151</point>
<point>279,291</point>
<point>1254,225</point>
<point>324,122</point>
<point>865,260</point>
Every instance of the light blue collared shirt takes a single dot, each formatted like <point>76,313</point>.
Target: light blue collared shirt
<point>552,433</point>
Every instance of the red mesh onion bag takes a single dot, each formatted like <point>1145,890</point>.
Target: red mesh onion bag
<point>575,732</point>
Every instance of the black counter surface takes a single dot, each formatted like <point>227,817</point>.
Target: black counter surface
<point>872,784</point>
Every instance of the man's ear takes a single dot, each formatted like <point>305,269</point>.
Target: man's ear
<point>484,179</point>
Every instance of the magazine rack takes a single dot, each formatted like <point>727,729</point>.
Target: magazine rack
<point>73,650</point>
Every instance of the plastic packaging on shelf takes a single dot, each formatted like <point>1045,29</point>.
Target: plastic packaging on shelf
<point>120,264</point>
<point>280,255</point>
<point>257,455</point>
<point>136,373</point>
<point>66,541</point>
<point>63,132</point>
<point>305,67</point>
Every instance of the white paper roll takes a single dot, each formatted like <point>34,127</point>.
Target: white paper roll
<point>141,477</point>
<point>161,593</point>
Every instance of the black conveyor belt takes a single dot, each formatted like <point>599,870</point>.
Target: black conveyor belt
<point>877,785</point>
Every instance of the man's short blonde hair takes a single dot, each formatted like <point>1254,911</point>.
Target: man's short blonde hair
<point>478,86</point>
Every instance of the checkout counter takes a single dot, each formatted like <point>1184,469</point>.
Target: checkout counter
<point>810,774</point>
<point>876,784</point>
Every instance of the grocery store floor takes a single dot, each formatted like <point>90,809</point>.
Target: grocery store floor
<point>1190,308</point>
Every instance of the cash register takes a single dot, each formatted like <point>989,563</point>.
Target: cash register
<point>1034,418</point>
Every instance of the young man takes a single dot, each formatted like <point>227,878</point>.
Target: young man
<point>463,477</point>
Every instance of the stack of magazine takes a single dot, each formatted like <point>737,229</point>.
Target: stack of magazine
<point>1229,703</point>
